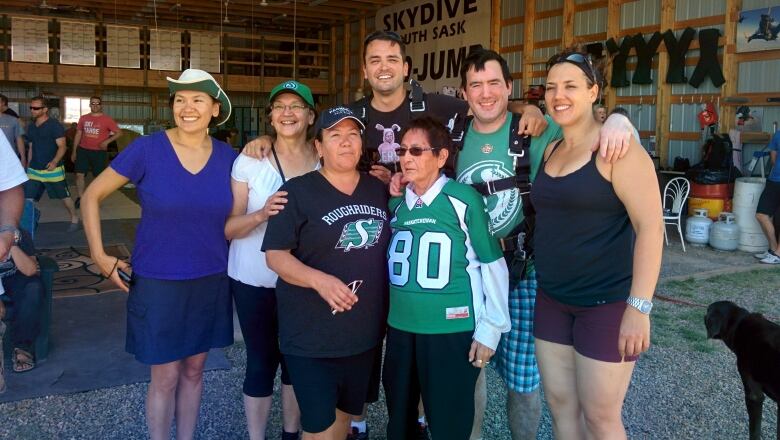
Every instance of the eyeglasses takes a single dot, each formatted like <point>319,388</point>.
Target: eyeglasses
<point>579,60</point>
<point>295,108</point>
<point>36,108</point>
<point>414,151</point>
<point>94,103</point>
<point>353,286</point>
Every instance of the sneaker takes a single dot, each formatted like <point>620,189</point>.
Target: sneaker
<point>771,259</point>
<point>763,255</point>
<point>356,435</point>
<point>422,431</point>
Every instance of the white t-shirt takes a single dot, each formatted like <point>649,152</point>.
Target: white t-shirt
<point>246,262</point>
<point>11,171</point>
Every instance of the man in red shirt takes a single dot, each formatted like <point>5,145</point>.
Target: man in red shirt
<point>95,131</point>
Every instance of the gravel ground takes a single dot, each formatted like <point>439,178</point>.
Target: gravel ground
<point>685,387</point>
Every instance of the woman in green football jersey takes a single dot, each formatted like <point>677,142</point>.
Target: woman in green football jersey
<point>448,291</point>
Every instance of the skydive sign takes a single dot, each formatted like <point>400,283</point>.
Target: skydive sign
<point>438,36</point>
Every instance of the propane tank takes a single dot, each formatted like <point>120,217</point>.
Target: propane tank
<point>697,228</point>
<point>724,235</point>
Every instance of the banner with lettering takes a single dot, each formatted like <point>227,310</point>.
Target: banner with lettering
<point>438,36</point>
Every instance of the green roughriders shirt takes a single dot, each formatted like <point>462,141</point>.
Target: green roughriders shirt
<point>485,158</point>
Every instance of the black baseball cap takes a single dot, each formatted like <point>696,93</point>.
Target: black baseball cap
<point>333,116</point>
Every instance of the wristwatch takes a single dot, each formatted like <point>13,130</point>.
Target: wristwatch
<point>13,229</point>
<point>643,305</point>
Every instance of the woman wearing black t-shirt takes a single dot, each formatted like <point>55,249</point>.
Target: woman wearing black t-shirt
<point>328,246</point>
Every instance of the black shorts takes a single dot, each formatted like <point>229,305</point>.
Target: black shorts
<point>323,385</point>
<point>95,160</point>
<point>770,199</point>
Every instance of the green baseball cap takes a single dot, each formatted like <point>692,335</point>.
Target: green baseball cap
<point>292,86</point>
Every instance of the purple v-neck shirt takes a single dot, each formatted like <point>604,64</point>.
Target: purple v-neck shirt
<point>181,233</point>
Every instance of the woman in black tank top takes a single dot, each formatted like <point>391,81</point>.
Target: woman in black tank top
<point>598,244</point>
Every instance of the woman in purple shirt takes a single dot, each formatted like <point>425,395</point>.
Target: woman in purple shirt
<point>179,304</point>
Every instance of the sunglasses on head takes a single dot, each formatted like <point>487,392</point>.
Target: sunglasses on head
<point>414,151</point>
<point>580,60</point>
<point>36,108</point>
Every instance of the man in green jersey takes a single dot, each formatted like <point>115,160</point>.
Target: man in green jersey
<point>487,85</point>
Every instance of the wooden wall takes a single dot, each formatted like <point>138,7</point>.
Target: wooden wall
<point>533,30</point>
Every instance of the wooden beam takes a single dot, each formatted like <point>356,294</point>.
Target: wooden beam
<point>528,42</point>
<point>332,73</point>
<point>730,64</point>
<point>495,25</point>
<point>663,90</point>
<point>568,23</point>
<point>345,76</point>
<point>361,39</point>
<point>613,29</point>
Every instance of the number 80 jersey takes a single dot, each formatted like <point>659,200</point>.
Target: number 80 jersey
<point>439,244</point>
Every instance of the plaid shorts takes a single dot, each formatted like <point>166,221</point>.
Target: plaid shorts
<point>515,360</point>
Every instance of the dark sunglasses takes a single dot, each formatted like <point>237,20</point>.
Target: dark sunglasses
<point>414,151</point>
<point>580,60</point>
<point>36,108</point>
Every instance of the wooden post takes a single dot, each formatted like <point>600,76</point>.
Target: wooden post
<point>664,91</point>
<point>495,25</point>
<point>6,39</point>
<point>361,38</point>
<point>332,63</point>
<point>568,23</point>
<point>528,41</point>
<point>613,29</point>
<point>730,65</point>
<point>345,77</point>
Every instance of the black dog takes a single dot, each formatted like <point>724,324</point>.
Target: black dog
<point>756,342</point>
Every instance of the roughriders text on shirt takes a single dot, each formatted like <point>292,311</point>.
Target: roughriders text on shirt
<point>344,211</point>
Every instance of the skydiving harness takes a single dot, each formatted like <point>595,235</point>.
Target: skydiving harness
<point>519,242</point>
<point>417,101</point>
<point>417,104</point>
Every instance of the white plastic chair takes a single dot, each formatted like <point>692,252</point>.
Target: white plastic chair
<point>675,193</point>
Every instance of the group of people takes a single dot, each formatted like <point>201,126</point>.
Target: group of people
<point>439,264</point>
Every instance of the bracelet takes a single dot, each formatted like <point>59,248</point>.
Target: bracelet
<point>113,268</point>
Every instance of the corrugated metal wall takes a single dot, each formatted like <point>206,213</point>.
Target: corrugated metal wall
<point>513,36</point>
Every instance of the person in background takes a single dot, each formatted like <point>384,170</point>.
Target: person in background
<point>13,131</point>
<point>256,198</point>
<point>94,133</point>
<point>768,203</point>
<point>4,109</point>
<point>598,242</point>
<point>600,113</point>
<point>179,305</point>
<point>328,246</point>
<point>11,204</point>
<point>21,281</point>
<point>44,168</point>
